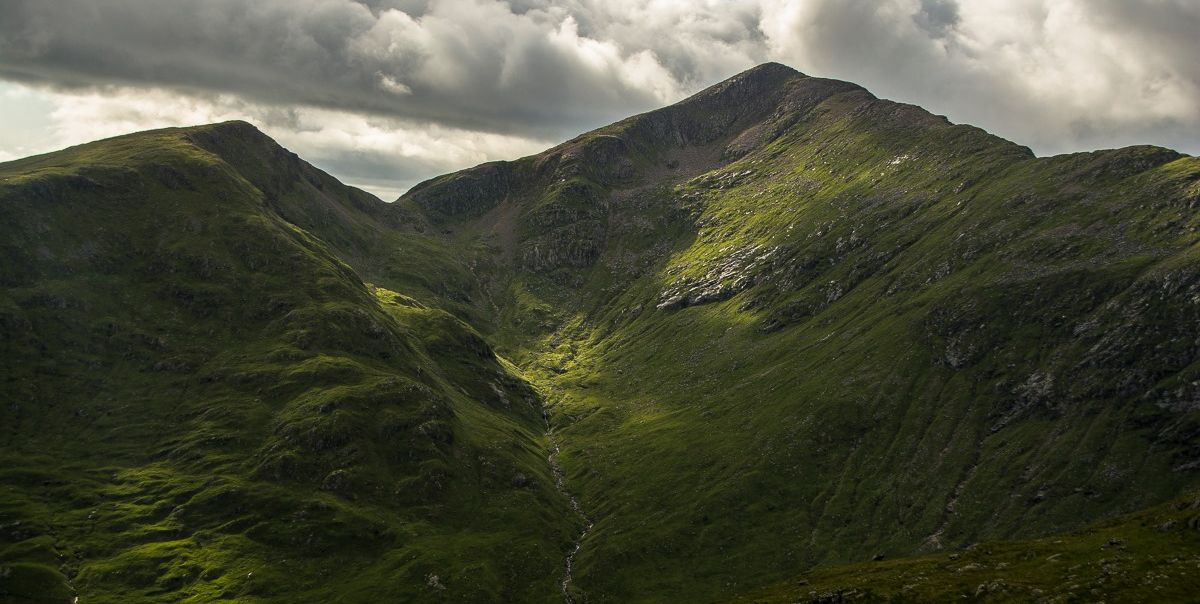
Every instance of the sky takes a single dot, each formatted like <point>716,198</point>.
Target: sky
<point>386,93</point>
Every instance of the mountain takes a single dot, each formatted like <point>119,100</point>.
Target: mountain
<point>204,401</point>
<point>760,345</point>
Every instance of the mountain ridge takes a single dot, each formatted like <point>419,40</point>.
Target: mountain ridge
<point>251,394</point>
<point>874,166</point>
<point>778,326</point>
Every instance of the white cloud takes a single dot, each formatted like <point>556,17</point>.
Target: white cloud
<point>389,91</point>
<point>1058,75</point>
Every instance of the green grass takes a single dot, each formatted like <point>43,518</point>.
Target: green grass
<point>1152,555</point>
<point>782,328</point>
<point>205,402</point>
<point>941,322</point>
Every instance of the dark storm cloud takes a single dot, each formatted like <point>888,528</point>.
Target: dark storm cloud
<point>467,64</point>
<point>937,16</point>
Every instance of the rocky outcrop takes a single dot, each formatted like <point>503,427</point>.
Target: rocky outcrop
<point>722,280</point>
<point>464,194</point>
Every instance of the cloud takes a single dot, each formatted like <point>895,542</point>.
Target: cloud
<point>937,17</point>
<point>463,63</point>
<point>1058,75</point>
<point>389,91</point>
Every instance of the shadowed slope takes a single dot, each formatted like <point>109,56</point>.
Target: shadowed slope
<point>201,400</point>
<point>1148,556</point>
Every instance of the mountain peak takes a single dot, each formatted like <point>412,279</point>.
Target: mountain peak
<point>769,70</point>
<point>758,81</point>
<point>231,126</point>
<point>227,132</point>
<point>712,127</point>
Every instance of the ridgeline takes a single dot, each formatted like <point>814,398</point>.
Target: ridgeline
<point>780,341</point>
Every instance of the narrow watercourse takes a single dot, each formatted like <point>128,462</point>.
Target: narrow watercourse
<point>560,483</point>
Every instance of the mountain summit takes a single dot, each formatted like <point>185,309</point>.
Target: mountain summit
<point>753,346</point>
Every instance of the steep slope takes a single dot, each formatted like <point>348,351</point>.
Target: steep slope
<point>780,327</point>
<point>827,326</point>
<point>1148,556</point>
<point>202,402</point>
<point>552,212</point>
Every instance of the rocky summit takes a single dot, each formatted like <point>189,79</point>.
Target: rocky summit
<point>783,341</point>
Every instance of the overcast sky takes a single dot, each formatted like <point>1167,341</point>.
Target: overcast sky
<point>385,93</point>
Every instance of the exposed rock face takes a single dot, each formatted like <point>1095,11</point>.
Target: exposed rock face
<point>571,245</point>
<point>468,193</point>
<point>723,279</point>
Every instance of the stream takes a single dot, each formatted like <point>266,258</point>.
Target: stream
<point>561,485</point>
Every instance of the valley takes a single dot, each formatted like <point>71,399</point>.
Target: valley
<point>781,341</point>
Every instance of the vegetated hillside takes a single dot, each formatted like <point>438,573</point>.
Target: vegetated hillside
<point>784,323</point>
<point>1149,556</point>
<point>202,402</point>
<point>780,327</point>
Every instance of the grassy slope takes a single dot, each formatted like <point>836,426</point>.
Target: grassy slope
<point>201,401</point>
<point>882,334</point>
<point>879,334</point>
<point>1153,555</point>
